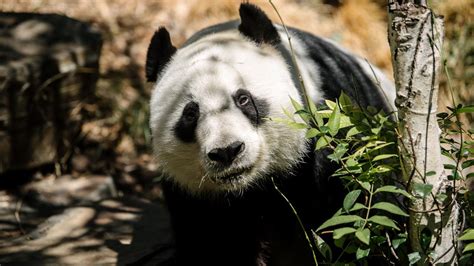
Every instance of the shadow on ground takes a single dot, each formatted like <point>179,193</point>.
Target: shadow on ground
<point>114,230</point>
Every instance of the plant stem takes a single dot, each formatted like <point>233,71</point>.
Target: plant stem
<point>299,221</point>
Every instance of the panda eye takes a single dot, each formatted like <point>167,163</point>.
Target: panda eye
<point>243,100</point>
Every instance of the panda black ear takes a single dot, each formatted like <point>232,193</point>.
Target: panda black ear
<point>256,25</point>
<point>159,53</point>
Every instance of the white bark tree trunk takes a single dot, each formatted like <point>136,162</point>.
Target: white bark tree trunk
<point>416,38</point>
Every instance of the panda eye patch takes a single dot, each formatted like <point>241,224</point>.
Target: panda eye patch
<point>253,108</point>
<point>191,112</point>
<point>186,126</point>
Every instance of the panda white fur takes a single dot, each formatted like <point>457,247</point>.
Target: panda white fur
<point>219,152</point>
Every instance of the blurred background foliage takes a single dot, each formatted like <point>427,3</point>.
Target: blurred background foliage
<point>116,140</point>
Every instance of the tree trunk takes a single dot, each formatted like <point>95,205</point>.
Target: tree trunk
<point>416,38</point>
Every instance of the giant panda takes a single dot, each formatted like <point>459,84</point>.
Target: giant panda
<point>222,156</point>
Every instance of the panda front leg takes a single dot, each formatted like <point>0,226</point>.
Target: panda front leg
<point>210,233</point>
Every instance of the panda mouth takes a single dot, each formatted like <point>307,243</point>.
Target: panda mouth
<point>231,177</point>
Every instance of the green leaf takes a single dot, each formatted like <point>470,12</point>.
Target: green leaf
<point>353,131</point>
<point>342,219</point>
<point>338,152</point>
<point>365,185</point>
<point>296,104</point>
<point>323,247</point>
<point>383,157</point>
<point>467,164</point>
<point>442,115</point>
<point>334,121</point>
<point>414,257</point>
<point>449,166</point>
<point>468,247</point>
<point>378,145</point>
<point>297,125</point>
<point>340,232</point>
<point>323,142</point>
<point>324,129</point>
<point>383,220</point>
<point>422,190</point>
<point>397,242</point>
<point>363,236</point>
<point>288,114</point>
<point>382,169</point>
<point>393,189</point>
<point>345,102</point>
<point>357,206</point>
<point>470,175</point>
<point>311,133</point>
<point>466,259</point>
<point>345,121</point>
<point>350,199</point>
<point>466,109</point>
<point>431,173</point>
<point>318,118</point>
<point>468,235</point>
<point>330,104</point>
<point>389,207</point>
<point>362,253</point>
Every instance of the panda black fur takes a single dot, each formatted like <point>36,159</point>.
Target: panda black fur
<point>218,151</point>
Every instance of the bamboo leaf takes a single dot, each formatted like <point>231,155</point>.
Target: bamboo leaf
<point>469,247</point>
<point>383,220</point>
<point>383,157</point>
<point>431,173</point>
<point>323,247</point>
<point>397,242</point>
<point>353,131</point>
<point>338,152</point>
<point>334,121</point>
<point>466,109</point>
<point>345,122</point>
<point>350,199</point>
<point>311,133</point>
<point>323,142</point>
<point>363,236</point>
<point>330,104</point>
<point>340,232</point>
<point>357,206</point>
<point>468,235</point>
<point>467,164</point>
<point>295,125</point>
<point>393,189</point>
<point>342,219</point>
<point>287,113</point>
<point>345,102</point>
<point>365,185</point>
<point>389,207</point>
<point>296,104</point>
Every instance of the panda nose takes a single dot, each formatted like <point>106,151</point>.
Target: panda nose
<point>226,155</point>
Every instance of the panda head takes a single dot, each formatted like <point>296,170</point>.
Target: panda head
<point>212,105</point>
